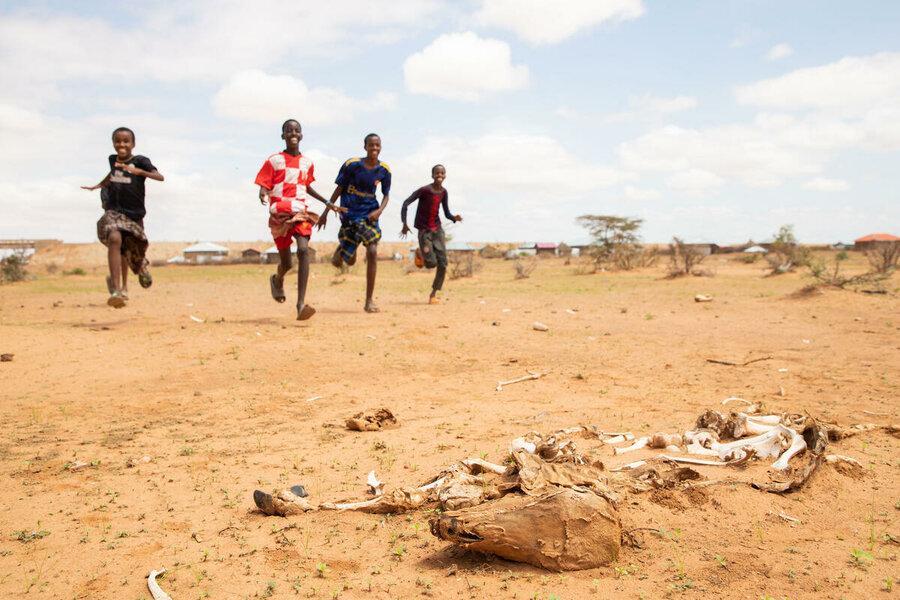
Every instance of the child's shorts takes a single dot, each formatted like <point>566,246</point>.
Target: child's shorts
<point>280,212</point>
<point>356,232</point>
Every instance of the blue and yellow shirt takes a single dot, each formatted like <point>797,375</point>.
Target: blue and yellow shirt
<point>359,185</point>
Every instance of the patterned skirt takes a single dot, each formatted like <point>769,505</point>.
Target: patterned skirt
<point>134,240</point>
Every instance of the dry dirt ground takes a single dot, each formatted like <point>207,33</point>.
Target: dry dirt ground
<point>250,398</point>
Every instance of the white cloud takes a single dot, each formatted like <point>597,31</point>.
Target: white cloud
<point>779,51</point>
<point>640,195</point>
<point>258,97</point>
<point>568,113</point>
<point>741,153</point>
<point>462,66</point>
<point>542,22</point>
<point>204,41</point>
<point>662,105</point>
<point>821,184</point>
<point>850,85</point>
<point>694,182</point>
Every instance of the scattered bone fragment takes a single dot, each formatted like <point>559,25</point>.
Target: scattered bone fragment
<point>154,588</point>
<point>196,319</point>
<point>630,466</point>
<point>196,537</point>
<point>781,515</point>
<point>538,326</point>
<point>618,439</point>
<point>477,465</point>
<point>373,486</point>
<point>563,531</point>
<point>664,440</point>
<point>702,298</point>
<point>736,399</point>
<point>76,465</point>
<point>798,444</point>
<point>837,458</point>
<point>528,377</point>
<point>132,462</point>
<point>375,421</point>
<point>6,357</point>
<point>641,442</point>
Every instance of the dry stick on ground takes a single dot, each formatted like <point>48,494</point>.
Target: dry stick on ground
<point>733,364</point>
<point>526,378</point>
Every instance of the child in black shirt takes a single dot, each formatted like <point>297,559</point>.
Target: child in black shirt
<point>121,229</point>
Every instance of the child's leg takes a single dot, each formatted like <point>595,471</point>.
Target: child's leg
<point>439,250</point>
<point>114,257</point>
<point>285,264</point>
<point>124,287</point>
<point>302,270</point>
<point>371,270</point>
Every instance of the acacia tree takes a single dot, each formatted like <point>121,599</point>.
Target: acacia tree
<point>683,258</point>
<point>615,240</point>
<point>784,253</point>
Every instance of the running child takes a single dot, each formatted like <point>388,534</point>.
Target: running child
<point>121,228</point>
<point>285,181</point>
<point>357,183</point>
<point>432,250</point>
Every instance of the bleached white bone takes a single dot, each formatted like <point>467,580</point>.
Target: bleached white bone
<point>641,442</point>
<point>521,444</point>
<point>375,486</point>
<point>696,447</point>
<point>798,444</point>
<point>767,445</point>
<point>484,465</point>
<point>154,588</point>
<point>835,458</point>
<point>526,378</point>
<point>629,466</point>
<point>618,439</point>
<point>693,461</point>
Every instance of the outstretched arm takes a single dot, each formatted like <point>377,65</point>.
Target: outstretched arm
<point>102,184</point>
<point>323,220</point>
<point>329,204</point>
<point>130,168</point>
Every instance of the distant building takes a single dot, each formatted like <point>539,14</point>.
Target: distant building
<point>869,242</point>
<point>538,248</point>
<point>204,252</point>
<point>273,258</point>
<point>251,255</point>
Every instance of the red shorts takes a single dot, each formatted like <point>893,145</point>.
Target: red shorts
<point>282,211</point>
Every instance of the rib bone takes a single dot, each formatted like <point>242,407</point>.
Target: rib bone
<point>639,443</point>
<point>154,588</point>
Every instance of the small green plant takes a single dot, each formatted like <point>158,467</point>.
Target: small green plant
<point>399,552</point>
<point>887,583</point>
<point>322,569</point>
<point>186,451</point>
<point>270,589</point>
<point>721,561</point>
<point>858,558</point>
<point>674,538</point>
<point>29,536</point>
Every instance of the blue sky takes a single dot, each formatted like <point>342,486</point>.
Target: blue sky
<point>713,121</point>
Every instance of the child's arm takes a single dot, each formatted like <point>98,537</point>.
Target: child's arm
<point>102,184</point>
<point>412,198</point>
<point>446,205</point>
<point>264,195</point>
<point>129,168</point>
<point>323,219</point>
<point>328,204</point>
<point>376,214</point>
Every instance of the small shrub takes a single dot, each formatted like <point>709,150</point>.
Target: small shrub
<point>784,253</point>
<point>683,258</point>
<point>524,269</point>
<point>462,264</point>
<point>75,271</point>
<point>884,256</point>
<point>12,268</point>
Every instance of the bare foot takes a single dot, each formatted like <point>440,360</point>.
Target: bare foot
<point>336,258</point>
<point>371,308</point>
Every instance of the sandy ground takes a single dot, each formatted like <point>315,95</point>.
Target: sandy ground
<point>225,406</point>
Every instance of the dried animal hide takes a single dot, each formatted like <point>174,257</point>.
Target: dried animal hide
<point>565,530</point>
<point>380,419</point>
<point>535,475</point>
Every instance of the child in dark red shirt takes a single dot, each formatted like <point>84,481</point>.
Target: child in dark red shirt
<point>432,246</point>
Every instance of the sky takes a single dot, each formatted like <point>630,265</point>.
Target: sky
<point>714,121</point>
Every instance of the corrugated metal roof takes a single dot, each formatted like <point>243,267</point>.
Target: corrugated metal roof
<point>206,247</point>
